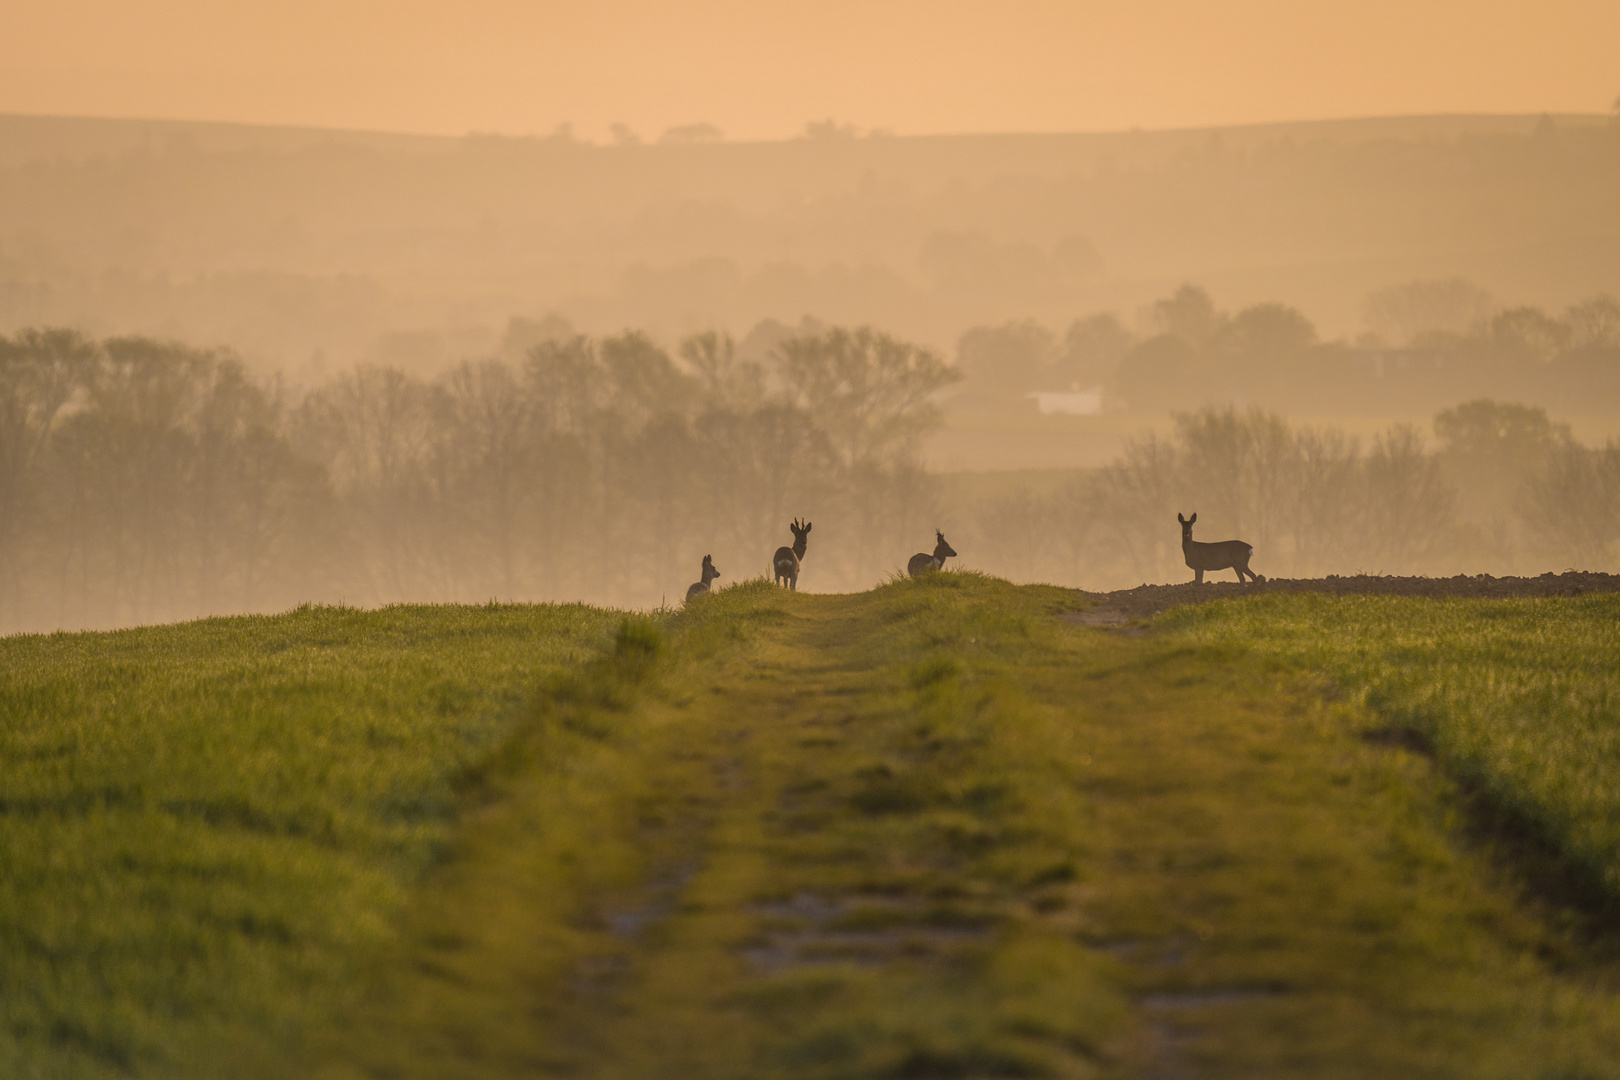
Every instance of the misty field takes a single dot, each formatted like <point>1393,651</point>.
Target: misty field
<point>932,829</point>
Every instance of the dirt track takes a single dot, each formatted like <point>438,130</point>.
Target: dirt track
<point>1116,608</point>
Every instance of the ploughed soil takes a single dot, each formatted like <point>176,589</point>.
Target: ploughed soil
<point>1125,605</point>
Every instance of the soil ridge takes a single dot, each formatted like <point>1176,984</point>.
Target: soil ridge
<point>1145,600</point>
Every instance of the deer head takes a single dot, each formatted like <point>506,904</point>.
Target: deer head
<point>801,536</point>
<point>1186,525</point>
<point>710,571</point>
<point>942,550</point>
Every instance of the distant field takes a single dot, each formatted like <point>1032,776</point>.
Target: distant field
<point>203,827</point>
<point>1519,698</point>
<point>935,829</point>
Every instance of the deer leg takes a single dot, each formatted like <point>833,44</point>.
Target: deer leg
<point>1198,577</point>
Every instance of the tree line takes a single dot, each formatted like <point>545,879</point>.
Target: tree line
<point>145,481</point>
<point>1429,342</point>
<point>1501,488</point>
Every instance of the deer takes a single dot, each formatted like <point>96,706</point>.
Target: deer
<point>786,562</point>
<point>1225,555</point>
<point>699,588</point>
<point>922,562</point>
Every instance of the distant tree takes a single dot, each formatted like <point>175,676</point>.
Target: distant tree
<point>1407,506</point>
<point>1130,500</point>
<point>486,435</point>
<point>1268,330</point>
<point>1449,305</point>
<point>40,370</point>
<point>1157,374</point>
<point>1006,362</point>
<point>1497,434</point>
<point>1243,465</point>
<point>871,394</point>
<point>1594,323</point>
<point>1489,448</point>
<point>623,135</point>
<point>1092,350</point>
<point>1324,508</point>
<point>687,134</point>
<point>566,381</point>
<point>727,382</point>
<point>644,381</point>
<point>1529,334</point>
<point>1573,504</point>
<point>1189,314</point>
<point>830,129</point>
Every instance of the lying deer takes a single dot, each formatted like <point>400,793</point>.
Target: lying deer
<point>786,562</point>
<point>922,562</point>
<point>1226,555</point>
<point>698,588</point>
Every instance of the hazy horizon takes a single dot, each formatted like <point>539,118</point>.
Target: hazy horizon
<point>337,338</point>
<point>814,128</point>
<point>751,74</point>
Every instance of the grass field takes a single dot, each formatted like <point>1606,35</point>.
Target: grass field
<point>932,830</point>
<point>205,827</point>
<point>1519,699</point>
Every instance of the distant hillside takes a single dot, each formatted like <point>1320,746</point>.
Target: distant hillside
<point>293,243</point>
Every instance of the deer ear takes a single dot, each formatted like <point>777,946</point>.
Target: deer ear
<point>1181,519</point>
<point>1194,519</point>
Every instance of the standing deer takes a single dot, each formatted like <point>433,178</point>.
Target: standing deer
<point>698,588</point>
<point>1226,555</point>
<point>786,562</point>
<point>922,562</point>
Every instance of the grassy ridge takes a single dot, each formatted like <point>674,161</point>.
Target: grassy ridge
<point>203,826</point>
<point>847,858</point>
<point>1521,698</point>
<point>928,830</point>
<point>932,830</point>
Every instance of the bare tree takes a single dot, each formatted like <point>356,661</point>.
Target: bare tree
<point>40,371</point>
<point>1573,505</point>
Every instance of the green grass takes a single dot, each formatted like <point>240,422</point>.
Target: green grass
<point>1520,699</point>
<point>931,830</point>
<point>203,827</point>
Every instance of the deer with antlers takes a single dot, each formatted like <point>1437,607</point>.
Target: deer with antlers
<point>922,562</point>
<point>1225,555</point>
<point>787,559</point>
<point>699,588</point>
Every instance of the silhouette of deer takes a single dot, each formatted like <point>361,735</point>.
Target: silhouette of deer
<point>786,562</point>
<point>1226,555</point>
<point>698,588</point>
<point>922,562</point>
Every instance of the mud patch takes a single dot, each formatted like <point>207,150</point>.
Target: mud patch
<point>864,931</point>
<point>1117,610</point>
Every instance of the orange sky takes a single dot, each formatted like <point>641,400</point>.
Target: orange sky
<point>760,70</point>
